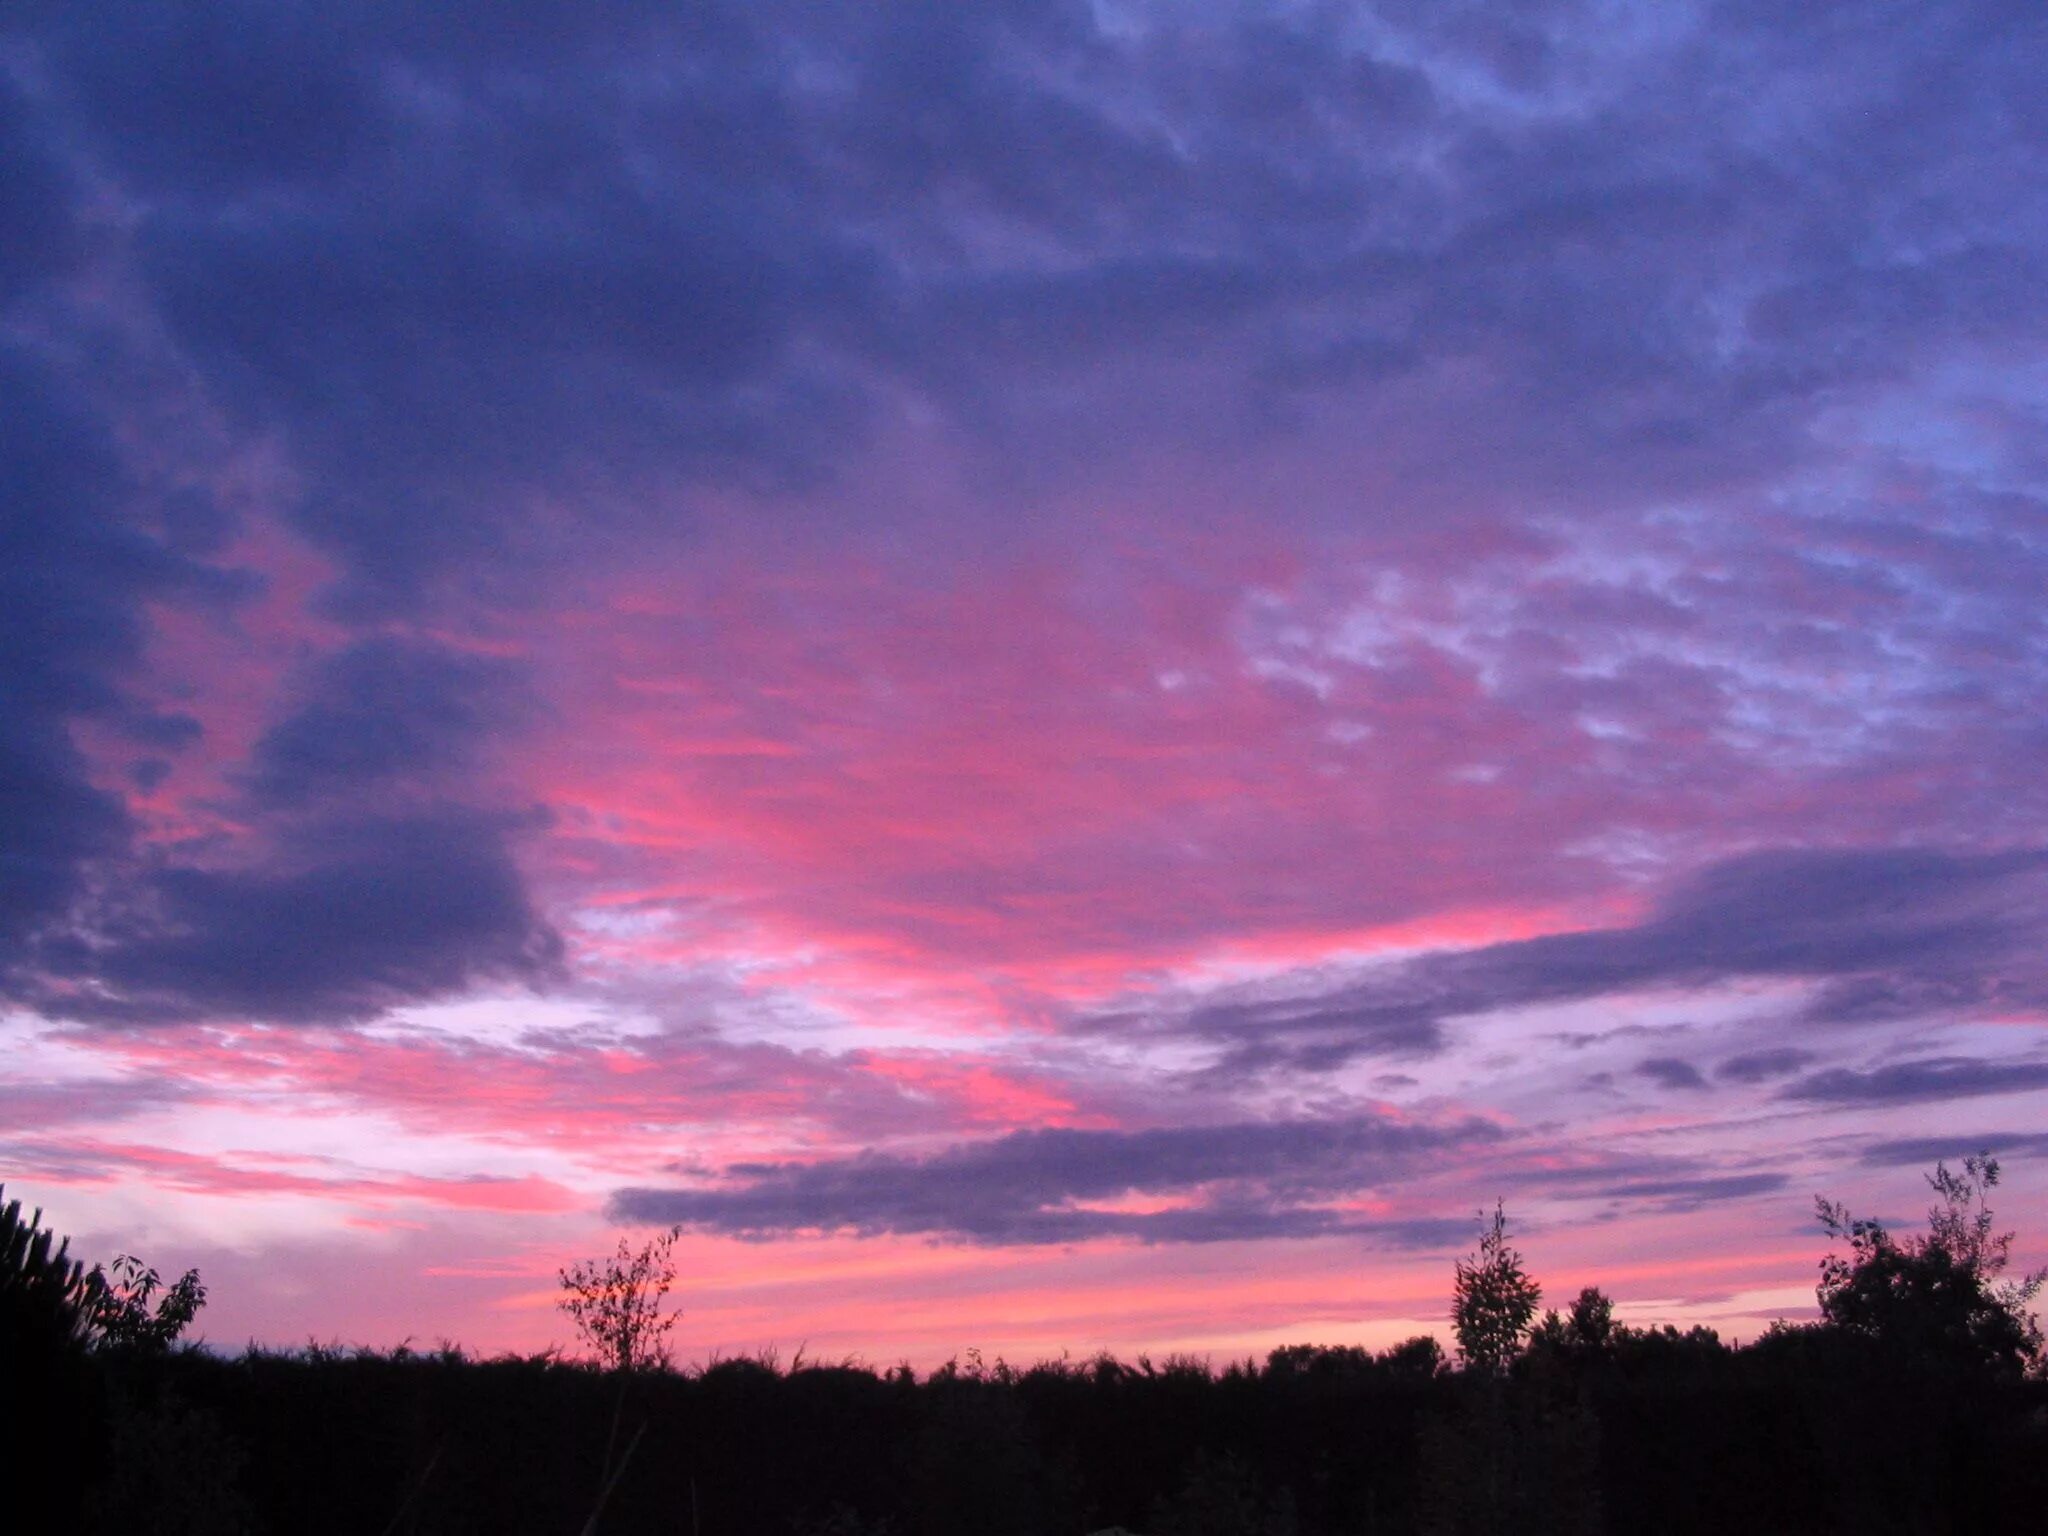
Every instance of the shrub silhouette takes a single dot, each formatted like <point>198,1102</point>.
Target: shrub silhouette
<point>615,1303</point>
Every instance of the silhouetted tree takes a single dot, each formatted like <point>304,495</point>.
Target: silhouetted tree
<point>1590,1324</point>
<point>45,1297</point>
<point>615,1303</point>
<point>119,1313</point>
<point>1495,1299</point>
<point>67,1338</point>
<point>1587,1329</point>
<point>45,1374</point>
<point>1418,1359</point>
<point>1937,1297</point>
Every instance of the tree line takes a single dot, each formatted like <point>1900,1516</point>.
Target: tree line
<point>1916,1402</point>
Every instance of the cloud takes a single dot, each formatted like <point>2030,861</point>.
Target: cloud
<point>384,713</point>
<point>85,1160</point>
<point>1899,1151</point>
<point>1959,930</point>
<point>39,235</point>
<point>465,272</point>
<point>1670,1072</point>
<point>516,306</point>
<point>225,103</point>
<point>1648,1180</point>
<point>1690,1193</point>
<point>1251,1180</point>
<point>346,920</point>
<point>1762,1066</point>
<point>322,908</point>
<point>76,565</point>
<point>42,1105</point>
<point>1024,502</point>
<point>1911,1082</point>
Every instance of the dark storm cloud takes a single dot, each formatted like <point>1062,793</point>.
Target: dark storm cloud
<point>481,272</point>
<point>342,921</point>
<point>218,100</point>
<point>1256,1180</point>
<point>1955,931</point>
<point>38,230</point>
<point>334,917</point>
<point>381,713</point>
<point>463,267</point>
<point>1313,1032</point>
<point>1912,1082</point>
<point>75,564</point>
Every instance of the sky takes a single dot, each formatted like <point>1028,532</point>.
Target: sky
<point>1065,675</point>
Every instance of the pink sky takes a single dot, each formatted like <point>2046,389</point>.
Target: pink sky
<point>1067,680</point>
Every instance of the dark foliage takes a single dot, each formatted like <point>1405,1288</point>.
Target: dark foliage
<point>45,1296</point>
<point>1936,1300</point>
<point>49,1388</point>
<point>109,1453</point>
<point>1593,1426</point>
<point>1495,1299</point>
<point>1809,1430</point>
<point>1806,1431</point>
<point>120,1314</point>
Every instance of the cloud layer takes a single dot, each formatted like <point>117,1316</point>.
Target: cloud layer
<point>1080,628</point>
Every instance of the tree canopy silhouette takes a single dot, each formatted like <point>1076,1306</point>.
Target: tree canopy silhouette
<point>1495,1299</point>
<point>1936,1298</point>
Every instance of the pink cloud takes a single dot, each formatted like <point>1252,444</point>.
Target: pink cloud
<point>85,1160</point>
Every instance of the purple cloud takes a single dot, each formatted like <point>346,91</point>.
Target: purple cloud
<point>382,716</point>
<point>346,920</point>
<point>1762,1066</point>
<point>1671,1072</point>
<point>1911,1082</point>
<point>1253,1180</point>
<point>1954,931</point>
<point>1953,1147</point>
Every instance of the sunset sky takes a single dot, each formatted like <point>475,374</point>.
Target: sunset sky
<point>1067,674</point>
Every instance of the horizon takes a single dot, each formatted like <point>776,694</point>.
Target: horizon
<point>1067,676</point>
